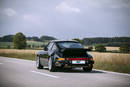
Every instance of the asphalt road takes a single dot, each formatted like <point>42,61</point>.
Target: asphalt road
<point>23,73</point>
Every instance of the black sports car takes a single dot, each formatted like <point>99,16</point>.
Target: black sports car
<point>64,54</point>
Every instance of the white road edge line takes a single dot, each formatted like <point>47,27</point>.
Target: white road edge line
<point>112,72</point>
<point>44,74</point>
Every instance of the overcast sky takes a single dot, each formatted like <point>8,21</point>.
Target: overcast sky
<point>65,19</point>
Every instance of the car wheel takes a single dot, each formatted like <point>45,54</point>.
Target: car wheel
<point>51,65</point>
<point>88,69</point>
<point>38,65</point>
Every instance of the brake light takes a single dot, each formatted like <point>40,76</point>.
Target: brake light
<point>78,58</point>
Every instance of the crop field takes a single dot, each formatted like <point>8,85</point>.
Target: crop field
<point>113,48</point>
<point>118,62</point>
<point>108,48</point>
<point>22,54</point>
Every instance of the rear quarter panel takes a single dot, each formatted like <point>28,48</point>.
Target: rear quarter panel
<point>43,55</point>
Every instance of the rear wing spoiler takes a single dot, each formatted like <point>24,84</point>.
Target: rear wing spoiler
<point>74,50</point>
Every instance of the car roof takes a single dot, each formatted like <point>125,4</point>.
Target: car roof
<point>55,41</point>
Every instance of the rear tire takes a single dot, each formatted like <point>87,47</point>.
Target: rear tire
<point>51,65</point>
<point>88,69</point>
<point>38,65</point>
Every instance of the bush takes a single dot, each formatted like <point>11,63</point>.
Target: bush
<point>124,48</point>
<point>100,48</point>
<point>90,47</point>
<point>20,41</point>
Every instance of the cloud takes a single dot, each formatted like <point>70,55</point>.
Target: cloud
<point>64,7</point>
<point>9,12</point>
<point>112,4</point>
<point>116,4</point>
<point>31,18</point>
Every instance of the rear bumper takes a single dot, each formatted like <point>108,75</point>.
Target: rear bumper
<point>69,64</point>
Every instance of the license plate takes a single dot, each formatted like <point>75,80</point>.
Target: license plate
<point>78,62</point>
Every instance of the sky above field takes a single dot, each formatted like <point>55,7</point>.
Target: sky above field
<point>65,19</point>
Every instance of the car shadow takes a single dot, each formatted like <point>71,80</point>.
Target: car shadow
<point>75,70</point>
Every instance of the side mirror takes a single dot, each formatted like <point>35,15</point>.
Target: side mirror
<point>45,48</point>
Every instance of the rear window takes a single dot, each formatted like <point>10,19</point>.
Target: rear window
<point>69,45</point>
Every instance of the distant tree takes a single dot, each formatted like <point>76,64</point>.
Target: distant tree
<point>7,38</point>
<point>124,48</point>
<point>28,38</point>
<point>77,39</point>
<point>19,41</point>
<point>34,38</point>
<point>100,48</point>
<point>0,39</point>
<point>44,38</point>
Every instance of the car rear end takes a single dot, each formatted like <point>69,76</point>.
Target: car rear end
<point>72,58</point>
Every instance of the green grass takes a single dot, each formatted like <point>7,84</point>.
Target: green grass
<point>6,45</point>
<point>36,43</point>
<point>32,44</point>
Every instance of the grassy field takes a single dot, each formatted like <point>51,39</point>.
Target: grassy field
<point>36,43</point>
<point>6,45</point>
<point>32,44</point>
<point>117,62</point>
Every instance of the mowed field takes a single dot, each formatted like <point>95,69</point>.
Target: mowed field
<point>109,48</point>
<point>118,62</point>
<point>113,48</point>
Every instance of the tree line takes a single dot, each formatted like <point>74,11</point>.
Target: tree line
<point>9,38</point>
<point>111,41</point>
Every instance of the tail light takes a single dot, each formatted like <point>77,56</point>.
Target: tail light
<point>60,59</point>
